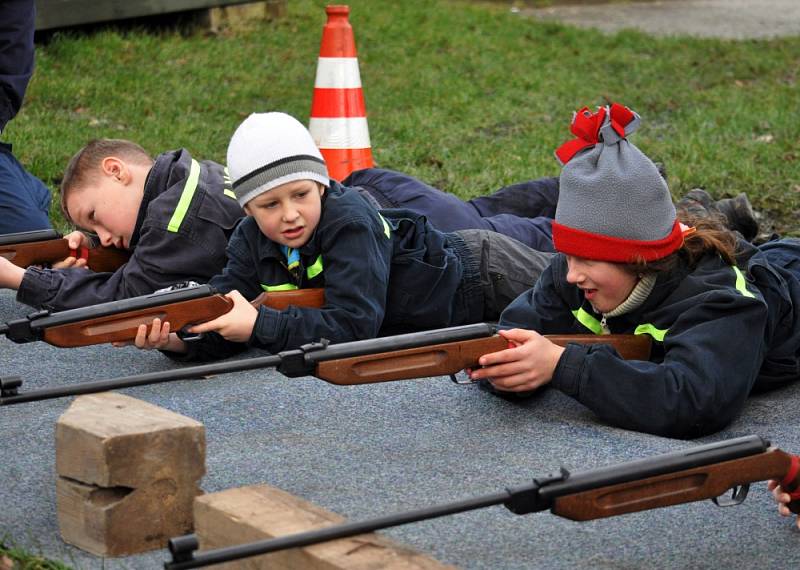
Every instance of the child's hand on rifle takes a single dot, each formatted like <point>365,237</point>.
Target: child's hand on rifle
<point>158,338</point>
<point>782,498</point>
<point>10,275</point>
<point>236,325</point>
<point>528,364</point>
<point>76,241</point>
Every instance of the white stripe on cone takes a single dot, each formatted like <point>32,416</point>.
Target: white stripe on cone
<point>340,133</point>
<point>337,73</point>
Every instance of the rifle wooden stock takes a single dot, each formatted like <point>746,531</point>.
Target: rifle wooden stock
<point>281,300</point>
<point>707,482</point>
<point>449,358</point>
<point>122,327</point>
<point>51,251</point>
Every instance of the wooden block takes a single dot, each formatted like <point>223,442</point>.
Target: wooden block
<point>128,473</point>
<point>242,15</point>
<point>113,440</point>
<point>259,512</point>
<point>118,521</point>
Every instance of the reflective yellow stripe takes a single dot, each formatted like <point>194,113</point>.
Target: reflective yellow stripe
<point>386,228</point>
<point>281,287</point>
<point>594,325</point>
<point>741,283</point>
<point>588,321</point>
<point>186,198</point>
<point>228,185</point>
<point>657,334</point>
<point>315,269</point>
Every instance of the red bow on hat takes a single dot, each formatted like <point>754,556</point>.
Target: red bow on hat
<point>586,126</point>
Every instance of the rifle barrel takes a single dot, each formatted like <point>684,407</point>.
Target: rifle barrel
<point>194,372</point>
<point>28,237</point>
<point>345,530</point>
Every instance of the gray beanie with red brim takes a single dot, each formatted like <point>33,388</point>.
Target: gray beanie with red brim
<point>613,204</point>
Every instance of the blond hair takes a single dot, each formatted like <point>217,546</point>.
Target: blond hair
<point>84,167</point>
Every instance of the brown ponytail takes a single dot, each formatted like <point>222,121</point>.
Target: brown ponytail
<point>710,236</point>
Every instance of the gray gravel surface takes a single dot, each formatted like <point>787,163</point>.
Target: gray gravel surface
<point>371,450</point>
<point>733,19</point>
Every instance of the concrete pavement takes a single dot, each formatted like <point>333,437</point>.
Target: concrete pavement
<point>731,19</point>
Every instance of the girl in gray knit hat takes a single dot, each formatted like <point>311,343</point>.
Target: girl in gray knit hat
<point>723,315</point>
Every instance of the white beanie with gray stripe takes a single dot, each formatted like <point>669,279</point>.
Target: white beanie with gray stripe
<point>271,149</point>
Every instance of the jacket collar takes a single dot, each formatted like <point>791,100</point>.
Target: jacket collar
<point>167,169</point>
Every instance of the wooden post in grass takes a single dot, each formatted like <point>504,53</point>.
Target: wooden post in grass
<point>128,473</point>
<point>259,512</point>
<point>240,15</point>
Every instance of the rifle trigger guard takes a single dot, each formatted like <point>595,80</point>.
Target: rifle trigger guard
<point>738,495</point>
<point>9,385</point>
<point>456,380</point>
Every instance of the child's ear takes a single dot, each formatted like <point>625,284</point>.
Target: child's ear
<point>321,189</point>
<point>116,168</point>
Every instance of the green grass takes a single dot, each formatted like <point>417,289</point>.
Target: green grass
<point>467,96</point>
<point>24,560</point>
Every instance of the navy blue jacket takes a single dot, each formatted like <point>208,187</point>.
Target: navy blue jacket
<point>383,273</point>
<point>17,23</point>
<point>718,333</point>
<point>167,248</point>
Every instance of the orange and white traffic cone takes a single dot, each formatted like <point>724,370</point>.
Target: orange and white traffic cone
<point>338,120</point>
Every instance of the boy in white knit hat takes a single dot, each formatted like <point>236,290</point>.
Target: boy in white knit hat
<point>723,315</point>
<point>383,271</point>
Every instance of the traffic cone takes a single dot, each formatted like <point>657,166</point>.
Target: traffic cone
<point>338,120</point>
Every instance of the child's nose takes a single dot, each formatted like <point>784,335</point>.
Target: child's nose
<point>290,213</point>
<point>573,274</point>
<point>105,238</point>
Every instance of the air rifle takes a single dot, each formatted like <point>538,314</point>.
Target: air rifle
<point>694,474</point>
<point>118,321</point>
<point>437,352</point>
<point>45,247</point>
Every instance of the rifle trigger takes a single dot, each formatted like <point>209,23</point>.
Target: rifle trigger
<point>738,495</point>
<point>462,381</point>
<point>82,253</point>
<point>9,385</point>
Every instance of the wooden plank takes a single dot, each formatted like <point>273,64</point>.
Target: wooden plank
<point>259,512</point>
<point>52,14</point>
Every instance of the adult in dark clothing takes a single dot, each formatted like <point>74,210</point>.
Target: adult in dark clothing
<point>723,315</point>
<point>24,199</point>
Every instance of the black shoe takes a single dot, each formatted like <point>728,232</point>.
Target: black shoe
<point>698,203</point>
<point>740,215</point>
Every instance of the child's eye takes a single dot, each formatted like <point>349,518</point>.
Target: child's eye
<point>270,205</point>
<point>301,195</point>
